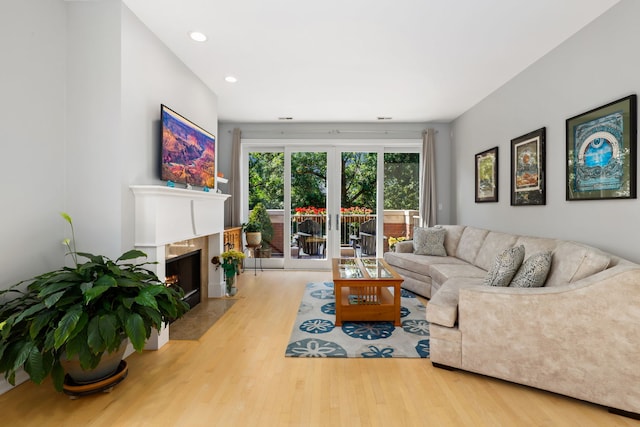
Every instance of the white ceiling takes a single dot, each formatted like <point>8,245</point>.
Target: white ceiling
<point>356,60</point>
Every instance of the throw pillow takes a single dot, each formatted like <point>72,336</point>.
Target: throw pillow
<point>505,267</point>
<point>533,272</point>
<point>429,241</point>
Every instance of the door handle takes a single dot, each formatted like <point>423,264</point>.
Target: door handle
<point>329,222</point>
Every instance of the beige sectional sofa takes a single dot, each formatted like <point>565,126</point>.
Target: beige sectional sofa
<point>578,335</point>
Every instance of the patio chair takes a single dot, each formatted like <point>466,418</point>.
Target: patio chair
<point>310,238</point>
<point>367,235</point>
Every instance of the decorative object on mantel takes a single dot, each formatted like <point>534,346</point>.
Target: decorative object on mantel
<point>486,166</point>
<point>83,313</point>
<point>601,152</point>
<point>231,260</point>
<point>171,184</point>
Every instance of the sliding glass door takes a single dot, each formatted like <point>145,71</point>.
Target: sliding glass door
<point>342,199</point>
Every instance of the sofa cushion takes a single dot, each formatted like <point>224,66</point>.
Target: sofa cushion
<point>429,241</point>
<point>442,308</point>
<point>533,271</point>
<point>470,243</point>
<point>494,244</point>
<point>440,273</point>
<point>573,261</point>
<point>452,237</point>
<point>505,267</point>
<point>533,245</point>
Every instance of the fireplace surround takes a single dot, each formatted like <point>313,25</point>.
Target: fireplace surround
<point>165,217</point>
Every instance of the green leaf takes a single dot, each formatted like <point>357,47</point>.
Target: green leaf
<point>34,366</point>
<point>134,327</point>
<point>108,326</point>
<point>66,217</point>
<point>23,351</point>
<point>94,293</point>
<point>67,325</point>
<point>64,281</point>
<point>155,289</point>
<point>94,338</point>
<point>170,310</point>
<point>28,312</point>
<point>145,299</point>
<point>39,322</point>
<point>80,326</point>
<point>75,344</point>
<point>52,299</point>
<point>132,254</point>
<point>57,375</point>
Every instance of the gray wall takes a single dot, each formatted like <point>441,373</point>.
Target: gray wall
<point>81,91</point>
<point>329,131</point>
<point>32,119</point>
<point>597,65</point>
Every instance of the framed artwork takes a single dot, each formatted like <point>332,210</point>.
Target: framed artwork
<point>487,176</point>
<point>601,152</point>
<point>527,169</point>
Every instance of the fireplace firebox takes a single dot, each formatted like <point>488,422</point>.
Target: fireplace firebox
<point>184,271</point>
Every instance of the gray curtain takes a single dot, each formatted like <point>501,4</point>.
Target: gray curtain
<point>428,180</point>
<point>236,220</point>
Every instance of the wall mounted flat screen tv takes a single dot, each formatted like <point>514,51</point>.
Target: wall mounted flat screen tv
<point>188,151</point>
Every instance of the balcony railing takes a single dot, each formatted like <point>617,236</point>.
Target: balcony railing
<point>349,224</point>
<point>397,223</point>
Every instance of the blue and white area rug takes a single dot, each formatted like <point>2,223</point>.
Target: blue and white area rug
<point>315,334</point>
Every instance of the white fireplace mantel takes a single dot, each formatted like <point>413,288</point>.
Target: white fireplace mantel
<point>165,215</point>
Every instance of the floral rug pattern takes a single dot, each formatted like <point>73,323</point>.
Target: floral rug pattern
<point>315,334</point>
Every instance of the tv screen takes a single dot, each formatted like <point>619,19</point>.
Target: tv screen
<point>188,151</point>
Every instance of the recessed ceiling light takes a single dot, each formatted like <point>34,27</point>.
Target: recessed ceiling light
<point>384,118</point>
<point>285,118</point>
<point>230,79</point>
<point>197,36</point>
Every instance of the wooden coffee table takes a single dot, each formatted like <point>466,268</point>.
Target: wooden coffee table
<point>367,289</point>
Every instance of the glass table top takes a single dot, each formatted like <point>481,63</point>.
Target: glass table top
<point>354,268</point>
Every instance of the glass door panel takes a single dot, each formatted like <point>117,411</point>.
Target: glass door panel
<point>401,196</point>
<point>310,224</point>
<point>358,203</point>
<point>266,186</point>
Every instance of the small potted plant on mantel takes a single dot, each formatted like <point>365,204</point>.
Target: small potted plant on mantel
<point>77,318</point>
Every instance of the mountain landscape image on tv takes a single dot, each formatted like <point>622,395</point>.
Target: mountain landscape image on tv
<point>188,151</point>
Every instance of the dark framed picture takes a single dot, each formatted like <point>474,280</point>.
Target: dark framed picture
<point>487,176</point>
<point>601,152</point>
<point>527,169</point>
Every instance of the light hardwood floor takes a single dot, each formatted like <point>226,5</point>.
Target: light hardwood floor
<point>237,375</point>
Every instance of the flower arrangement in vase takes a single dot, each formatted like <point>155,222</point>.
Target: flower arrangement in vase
<point>231,265</point>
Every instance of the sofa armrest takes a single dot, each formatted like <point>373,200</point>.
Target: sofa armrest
<point>580,340</point>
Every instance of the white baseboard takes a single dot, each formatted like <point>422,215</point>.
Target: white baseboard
<point>21,376</point>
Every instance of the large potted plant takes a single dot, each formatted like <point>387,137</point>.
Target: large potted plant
<point>260,216</point>
<point>83,312</point>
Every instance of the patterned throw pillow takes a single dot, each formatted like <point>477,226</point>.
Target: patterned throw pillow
<point>533,272</point>
<point>505,267</point>
<point>429,241</point>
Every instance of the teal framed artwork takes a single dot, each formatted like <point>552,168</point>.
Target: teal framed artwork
<point>601,152</point>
